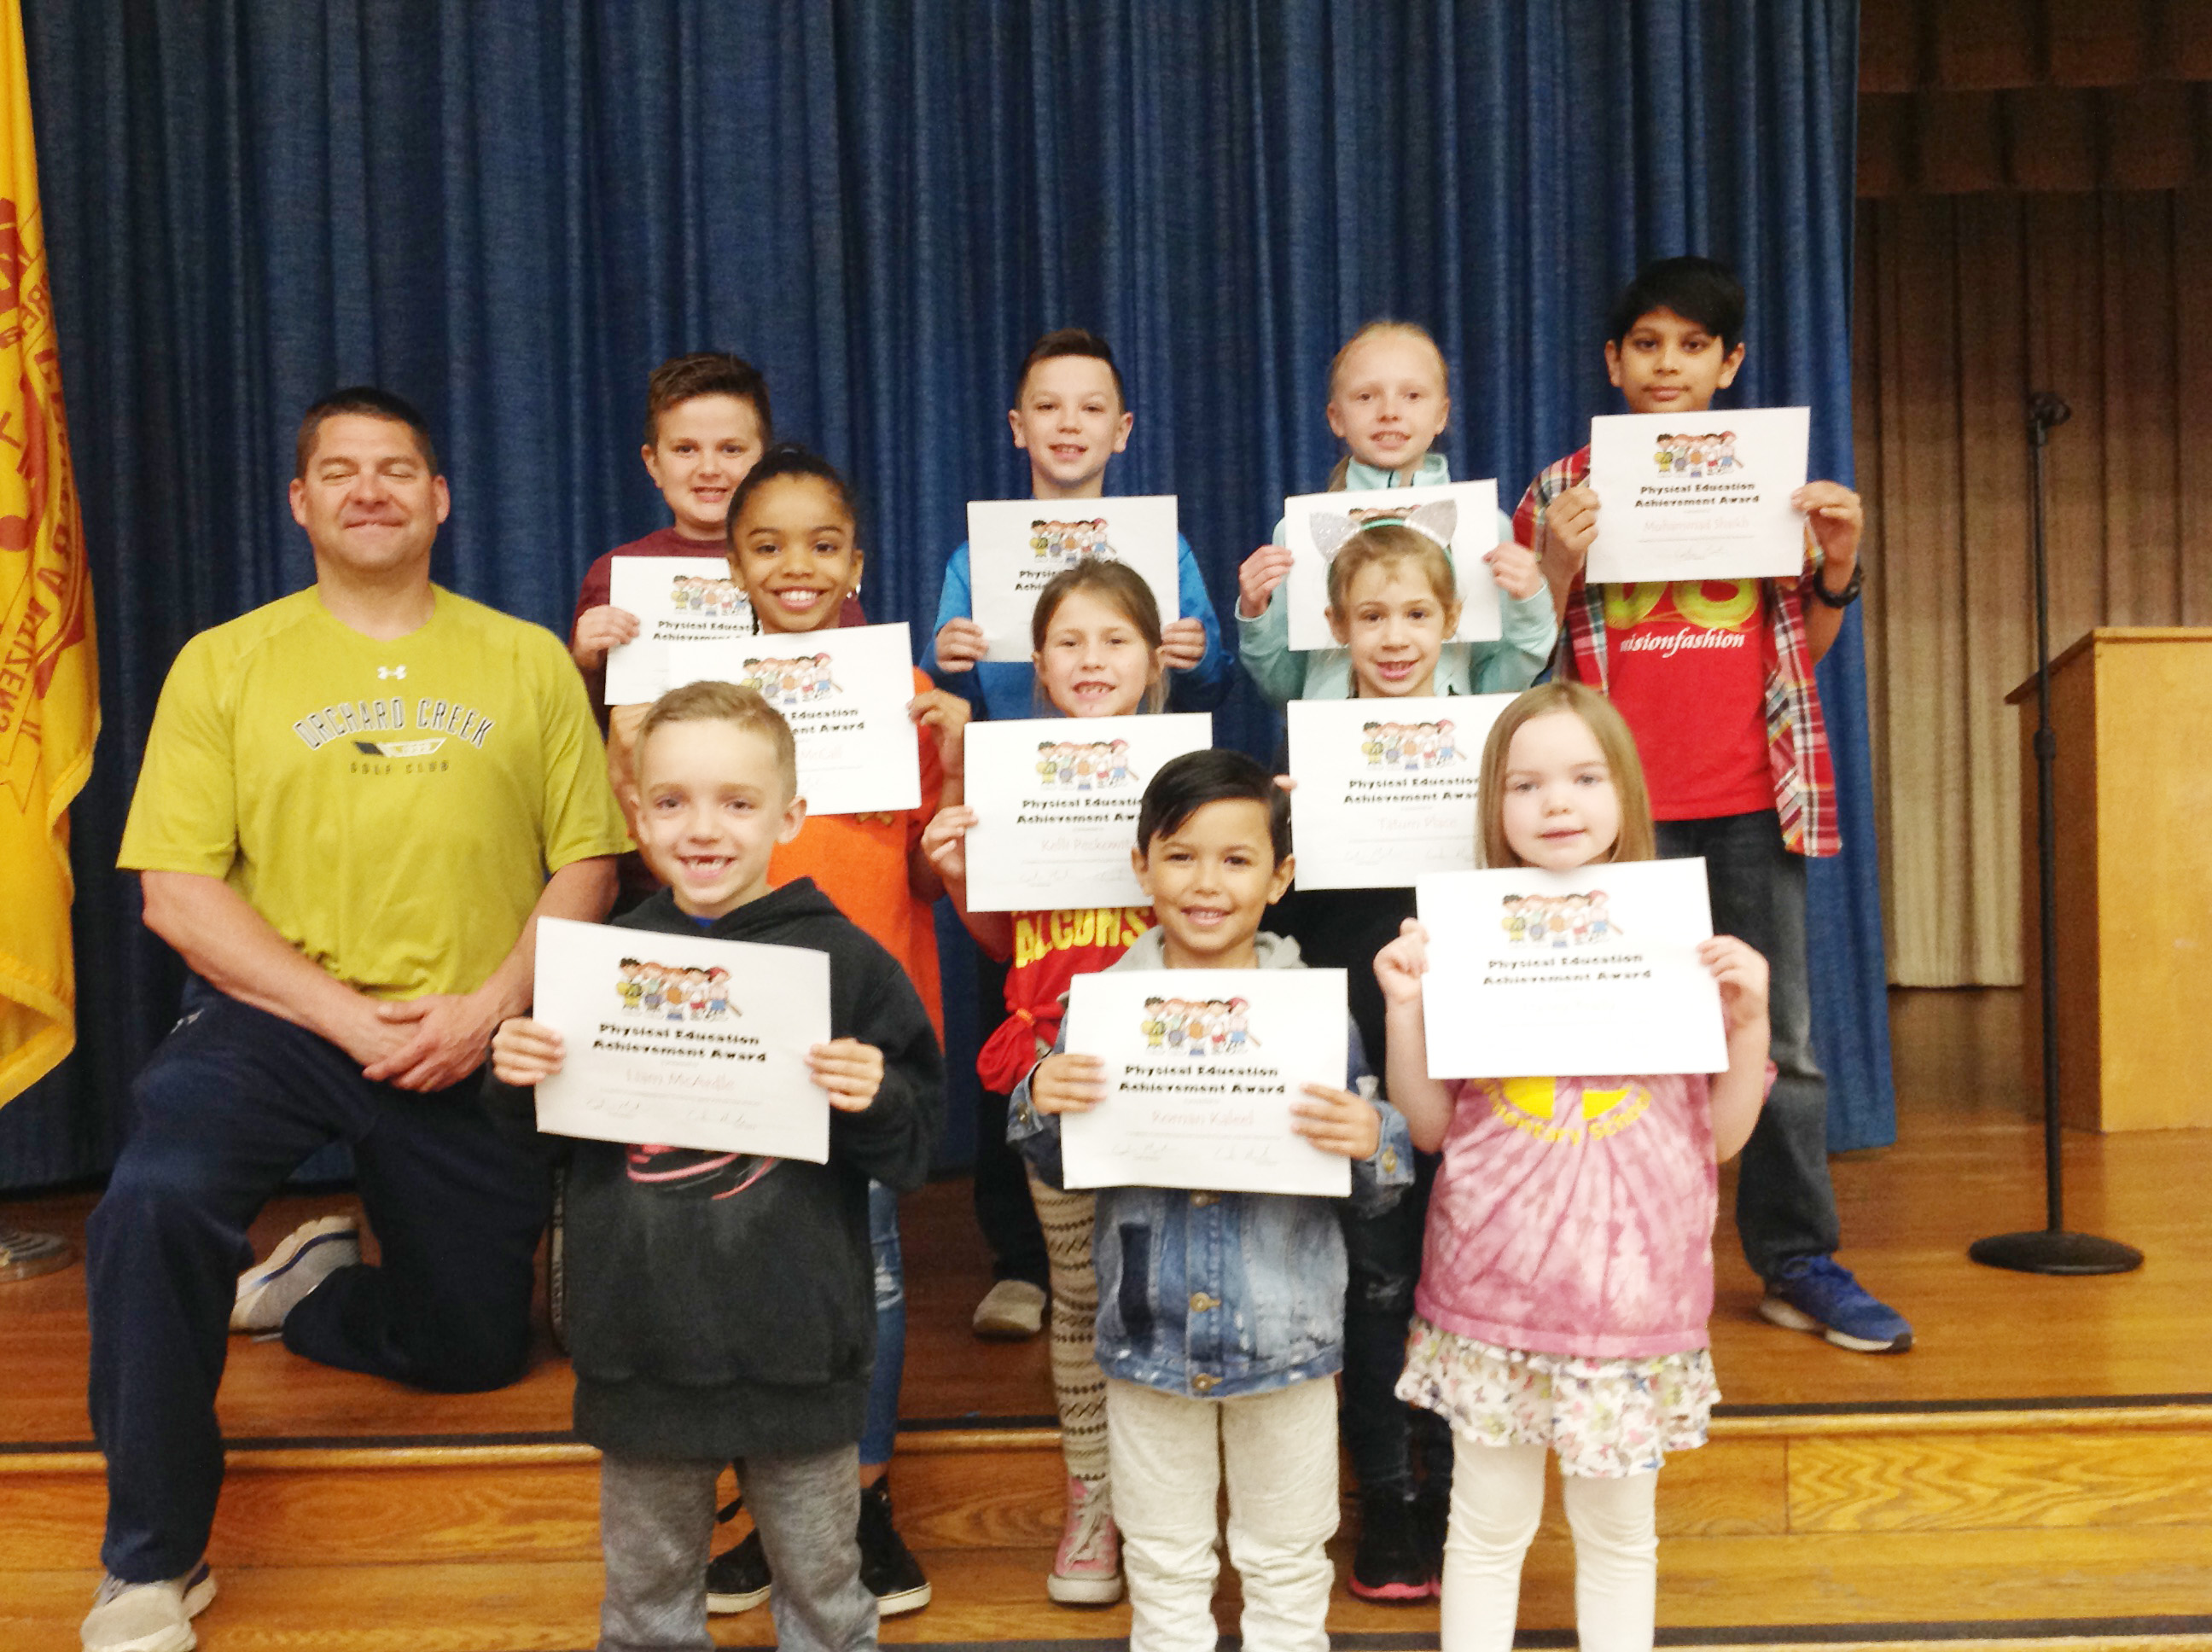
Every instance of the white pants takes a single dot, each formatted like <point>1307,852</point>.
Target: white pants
<point>1167,1454</point>
<point>1497,1498</point>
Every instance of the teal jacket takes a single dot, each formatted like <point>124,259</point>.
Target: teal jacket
<point>1285,674</point>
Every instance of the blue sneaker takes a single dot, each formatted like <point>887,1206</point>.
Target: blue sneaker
<point>1814,1293</point>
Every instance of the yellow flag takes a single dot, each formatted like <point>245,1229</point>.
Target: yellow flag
<point>49,682</point>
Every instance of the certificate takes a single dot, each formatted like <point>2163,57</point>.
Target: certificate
<point>675,599</point>
<point>844,692</point>
<point>1056,800</point>
<point>683,1040</point>
<point>1203,1065</point>
<point>1015,547</point>
<point>1461,515</point>
<point>1386,787</point>
<point>1698,495</point>
<point>1591,971</point>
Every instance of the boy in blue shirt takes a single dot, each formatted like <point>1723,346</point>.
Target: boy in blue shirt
<point>1070,417</point>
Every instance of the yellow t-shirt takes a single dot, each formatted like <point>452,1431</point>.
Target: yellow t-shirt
<point>391,808</point>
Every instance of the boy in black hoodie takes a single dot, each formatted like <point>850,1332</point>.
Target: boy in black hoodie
<point>721,1307</point>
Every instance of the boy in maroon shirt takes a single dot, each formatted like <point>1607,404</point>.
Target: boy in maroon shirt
<point>707,421</point>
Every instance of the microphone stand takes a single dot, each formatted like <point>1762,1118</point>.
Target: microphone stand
<point>25,1255</point>
<point>2050,1249</point>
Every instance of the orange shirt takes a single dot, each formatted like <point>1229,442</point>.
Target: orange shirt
<point>860,861</point>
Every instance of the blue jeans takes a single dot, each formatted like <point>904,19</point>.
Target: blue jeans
<point>881,1432</point>
<point>1785,1205</point>
<point>233,1099</point>
<point>1382,1261</point>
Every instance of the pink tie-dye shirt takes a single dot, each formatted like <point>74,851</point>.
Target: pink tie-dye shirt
<point>1575,1216</point>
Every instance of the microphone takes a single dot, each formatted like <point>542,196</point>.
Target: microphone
<point>2046,409</point>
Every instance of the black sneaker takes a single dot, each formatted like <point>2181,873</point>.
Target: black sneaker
<point>736,1578</point>
<point>1390,1564</point>
<point>887,1567</point>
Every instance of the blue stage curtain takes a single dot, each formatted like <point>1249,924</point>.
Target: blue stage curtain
<point>509,211</point>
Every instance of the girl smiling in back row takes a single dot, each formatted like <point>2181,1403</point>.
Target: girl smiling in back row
<point>1389,401</point>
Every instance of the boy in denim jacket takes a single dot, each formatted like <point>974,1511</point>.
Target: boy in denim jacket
<point>1221,1314</point>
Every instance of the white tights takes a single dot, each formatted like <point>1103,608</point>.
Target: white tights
<point>1497,1498</point>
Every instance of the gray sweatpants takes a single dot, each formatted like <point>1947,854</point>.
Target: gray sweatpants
<point>657,1526</point>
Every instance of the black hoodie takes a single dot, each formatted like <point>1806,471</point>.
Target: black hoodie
<point>732,1312</point>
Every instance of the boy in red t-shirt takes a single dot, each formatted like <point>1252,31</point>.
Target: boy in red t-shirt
<point>1714,678</point>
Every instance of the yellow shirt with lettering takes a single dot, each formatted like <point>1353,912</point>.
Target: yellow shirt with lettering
<point>392,808</point>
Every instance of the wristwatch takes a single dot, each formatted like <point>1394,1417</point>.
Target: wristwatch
<point>1848,595</point>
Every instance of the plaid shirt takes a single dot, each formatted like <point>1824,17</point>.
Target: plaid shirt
<point>1796,739</point>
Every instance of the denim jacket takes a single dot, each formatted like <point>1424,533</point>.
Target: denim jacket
<point>1217,1295</point>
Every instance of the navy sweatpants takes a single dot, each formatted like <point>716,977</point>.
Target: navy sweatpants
<point>232,1102</point>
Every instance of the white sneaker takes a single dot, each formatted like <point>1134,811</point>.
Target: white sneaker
<point>309,1254</point>
<point>148,1617</point>
<point>1013,1310</point>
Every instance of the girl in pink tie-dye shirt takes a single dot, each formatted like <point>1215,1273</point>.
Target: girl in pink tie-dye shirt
<point>1567,1273</point>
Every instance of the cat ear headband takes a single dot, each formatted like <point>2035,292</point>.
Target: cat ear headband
<point>1438,520</point>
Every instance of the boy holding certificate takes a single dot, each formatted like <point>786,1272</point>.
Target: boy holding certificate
<point>1715,679</point>
<point>1070,417</point>
<point>1220,1315</point>
<point>758,1345</point>
<point>707,422</point>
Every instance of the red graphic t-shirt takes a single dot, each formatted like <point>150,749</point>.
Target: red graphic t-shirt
<point>1050,950</point>
<point>1688,665</point>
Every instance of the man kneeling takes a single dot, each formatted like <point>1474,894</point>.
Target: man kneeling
<point>355,802</point>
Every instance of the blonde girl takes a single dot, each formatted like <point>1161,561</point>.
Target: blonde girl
<point>1097,648</point>
<point>1567,1275</point>
<point>1388,400</point>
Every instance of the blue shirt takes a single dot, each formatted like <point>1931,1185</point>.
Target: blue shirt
<point>1008,688</point>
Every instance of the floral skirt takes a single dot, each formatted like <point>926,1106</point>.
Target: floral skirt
<point>1605,1419</point>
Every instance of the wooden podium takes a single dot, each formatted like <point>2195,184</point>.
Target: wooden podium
<point>2132,711</point>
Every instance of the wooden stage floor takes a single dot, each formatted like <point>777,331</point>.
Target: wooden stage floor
<point>1948,1494</point>
<point>1967,1163</point>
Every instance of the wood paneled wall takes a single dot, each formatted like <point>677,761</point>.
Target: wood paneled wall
<point>2035,179</point>
<point>1963,305</point>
